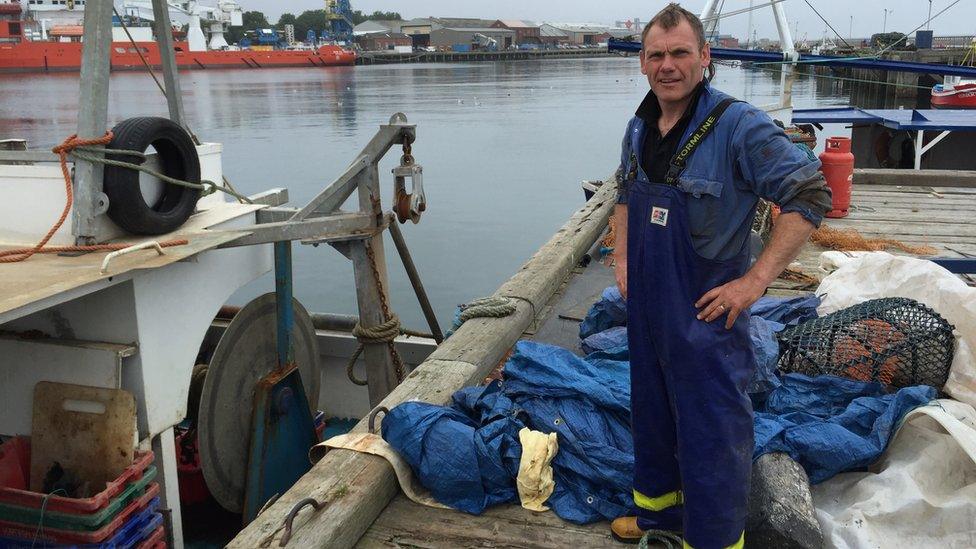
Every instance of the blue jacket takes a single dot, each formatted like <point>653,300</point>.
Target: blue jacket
<point>746,157</point>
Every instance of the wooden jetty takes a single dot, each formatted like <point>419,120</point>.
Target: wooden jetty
<point>935,208</point>
<point>554,290</point>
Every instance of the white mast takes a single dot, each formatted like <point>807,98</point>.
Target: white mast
<point>749,31</point>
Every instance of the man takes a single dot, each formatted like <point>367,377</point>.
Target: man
<point>694,164</point>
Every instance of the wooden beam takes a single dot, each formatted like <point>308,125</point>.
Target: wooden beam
<point>360,485</point>
<point>938,178</point>
<point>409,524</point>
<point>381,374</point>
<point>340,226</point>
<point>271,197</point>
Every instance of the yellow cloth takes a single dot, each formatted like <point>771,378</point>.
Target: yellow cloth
<point>535,483</point>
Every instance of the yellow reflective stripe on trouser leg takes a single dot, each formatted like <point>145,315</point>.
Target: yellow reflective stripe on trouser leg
<point>659,503</point>
<point>737,545</point>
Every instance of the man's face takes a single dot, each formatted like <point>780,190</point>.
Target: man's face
<point>672,61</point>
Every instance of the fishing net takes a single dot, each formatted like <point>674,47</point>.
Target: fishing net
<point>849,240</point>
<point>803,281</point>
<point>896,341</point>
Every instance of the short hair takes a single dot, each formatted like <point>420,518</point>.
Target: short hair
<point>671,16</point>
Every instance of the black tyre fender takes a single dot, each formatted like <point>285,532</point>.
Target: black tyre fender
<point>177,158</point>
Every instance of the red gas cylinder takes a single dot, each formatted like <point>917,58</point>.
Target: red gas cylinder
<point>838,168</point>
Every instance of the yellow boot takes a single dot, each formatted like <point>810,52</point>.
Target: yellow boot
<point>625,530</point>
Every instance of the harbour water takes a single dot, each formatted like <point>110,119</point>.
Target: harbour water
<point>504,146</point>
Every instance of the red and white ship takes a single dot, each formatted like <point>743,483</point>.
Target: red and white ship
<point>954,94</point>
<point>29,44</point>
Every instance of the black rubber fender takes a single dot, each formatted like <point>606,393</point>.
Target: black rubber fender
<point>177,158</point>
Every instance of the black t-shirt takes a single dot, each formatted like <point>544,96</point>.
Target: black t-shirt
<point>658,151</point>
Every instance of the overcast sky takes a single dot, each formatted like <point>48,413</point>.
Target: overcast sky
<point>868,15</point>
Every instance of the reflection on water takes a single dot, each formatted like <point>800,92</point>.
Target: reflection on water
<point>503,145</point>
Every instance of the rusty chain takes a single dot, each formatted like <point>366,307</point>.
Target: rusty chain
<point>387,313</point>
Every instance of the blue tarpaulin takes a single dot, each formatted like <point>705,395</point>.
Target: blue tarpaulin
<point>609,311</point>
<point>607,340</point>
<point>830,424</point>
<point>604,329</point>
<point>467,454</point>
<point>788,311</point>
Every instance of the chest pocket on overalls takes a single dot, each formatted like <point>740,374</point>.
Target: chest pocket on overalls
<point>704,204</point>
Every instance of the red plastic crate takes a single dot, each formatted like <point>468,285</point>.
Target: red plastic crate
<point>15,463</point>
<point>15,530</point>
<point>157,540</point>
<point>12,495</point>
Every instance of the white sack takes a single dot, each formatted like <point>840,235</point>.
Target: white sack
<point>922,493</point>
<point>878,274</point>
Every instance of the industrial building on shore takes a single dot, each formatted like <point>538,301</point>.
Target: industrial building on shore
<point>463,34</point>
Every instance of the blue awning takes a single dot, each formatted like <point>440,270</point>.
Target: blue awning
<point>896,119</point>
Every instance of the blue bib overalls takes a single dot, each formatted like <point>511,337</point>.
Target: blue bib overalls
<point>691,416</point>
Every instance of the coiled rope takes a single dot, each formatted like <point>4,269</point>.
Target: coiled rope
<point>381,333</point>
<point>669,539</point>
<point>89,149</point>
<point>66,148</point>
<point>88,153</point>
<point>384,332</point>
<point>485,307</point>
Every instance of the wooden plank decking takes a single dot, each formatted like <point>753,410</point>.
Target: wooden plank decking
<point>941,217</point>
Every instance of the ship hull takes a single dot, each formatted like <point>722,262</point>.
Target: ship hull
<point>960,97</point>
<point>66,57</point>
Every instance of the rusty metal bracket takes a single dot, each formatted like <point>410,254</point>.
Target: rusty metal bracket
<point>372,417</point>
<point>286,536</point>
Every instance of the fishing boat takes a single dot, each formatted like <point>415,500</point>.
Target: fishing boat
<point>138,282</point>
<point>29,44</point>
<point>955,93</point>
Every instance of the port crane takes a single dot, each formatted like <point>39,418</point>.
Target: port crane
<point>338,14</point>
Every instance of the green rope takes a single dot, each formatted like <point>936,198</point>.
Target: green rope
<point>91,154</point>
<point>669,539</point>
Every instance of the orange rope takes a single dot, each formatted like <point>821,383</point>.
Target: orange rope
<point>61,249</point>
<point>63,150</point>
<point>850,240</point>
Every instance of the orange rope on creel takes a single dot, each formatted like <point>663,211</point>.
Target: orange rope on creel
<point>63,150</point>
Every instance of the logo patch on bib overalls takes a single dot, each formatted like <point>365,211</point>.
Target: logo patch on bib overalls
<point>659,216</point>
